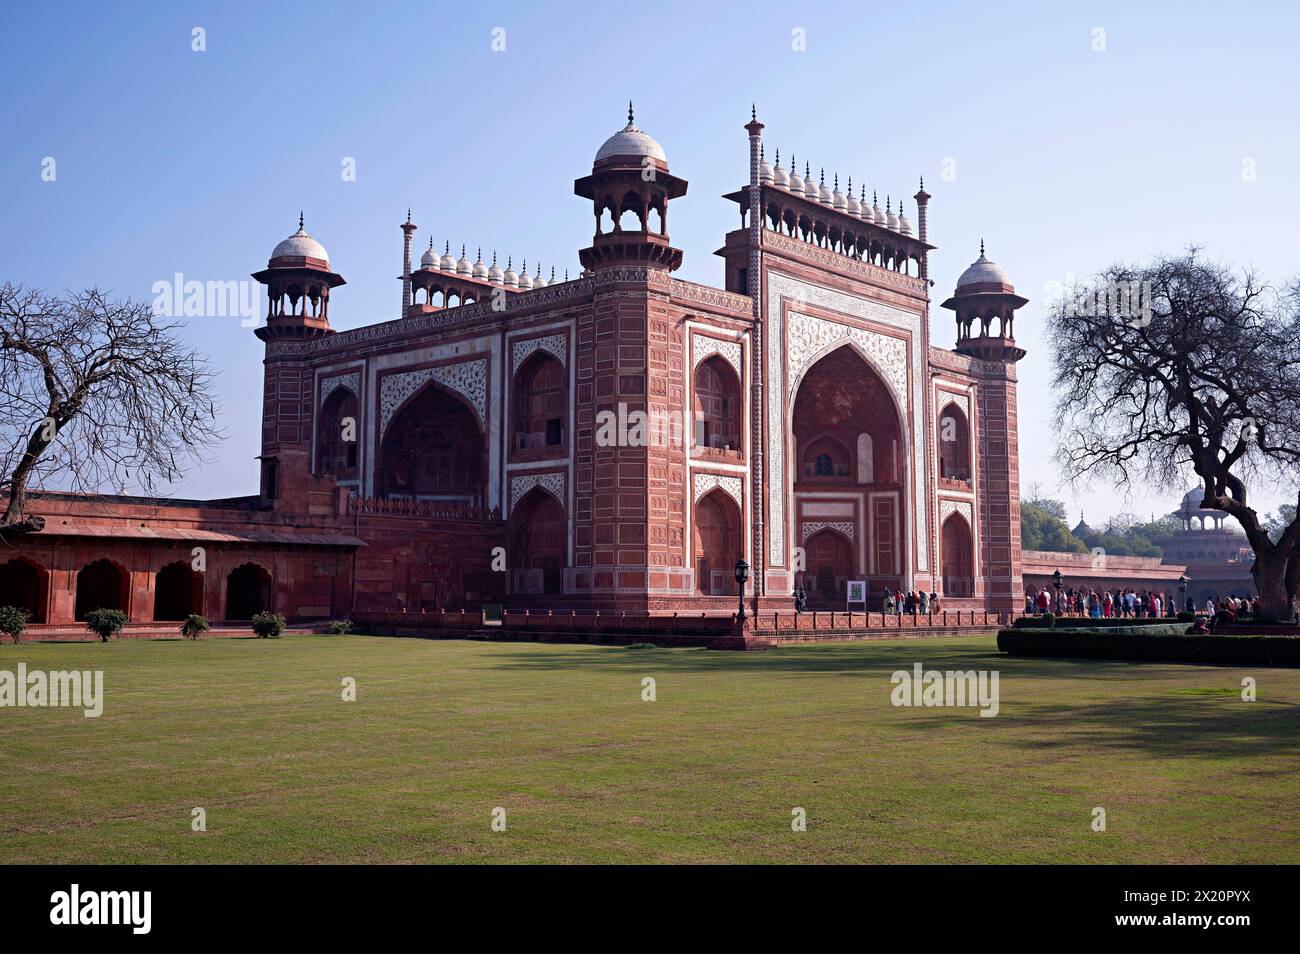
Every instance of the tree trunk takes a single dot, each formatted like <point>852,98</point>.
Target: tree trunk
<point>1276,600</point>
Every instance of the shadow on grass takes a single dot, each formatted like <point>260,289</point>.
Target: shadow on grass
<point>845,658</point>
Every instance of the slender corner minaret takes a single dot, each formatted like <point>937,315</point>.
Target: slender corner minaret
<point>758,570</point>
<point>922,229</point>
<point>408,230</point>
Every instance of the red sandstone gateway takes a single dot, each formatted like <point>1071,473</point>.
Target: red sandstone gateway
<point>450,458</point>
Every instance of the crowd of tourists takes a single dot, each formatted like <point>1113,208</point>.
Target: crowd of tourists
<point>1129,602</point>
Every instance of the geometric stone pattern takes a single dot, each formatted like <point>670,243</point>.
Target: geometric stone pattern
<point>520,484</point>
<point>468,378</point>
<point>844,527</point>
<point>730,485</point>
<point>351,380</point>
<point>729,350</point>
<point>556,345</point>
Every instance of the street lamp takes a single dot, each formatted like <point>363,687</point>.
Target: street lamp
<point>1182,589</point>
<point>1056,581</point>
<point>742,574</point>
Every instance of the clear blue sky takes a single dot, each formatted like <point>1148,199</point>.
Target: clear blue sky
<point>1066,158</point>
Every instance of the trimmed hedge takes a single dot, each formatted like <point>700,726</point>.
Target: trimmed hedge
<point>1148,647</point>
<point>1087,622</point>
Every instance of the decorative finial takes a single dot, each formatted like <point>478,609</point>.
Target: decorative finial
<point>299,220</point>
<point>629,112</point>
<point>807,170</point>
<point>922,183</point>
<point>981,256</point>
<point>408,216</point>
<point>494,258</point>
<point>462,249</point>
<point>446,249</point>
<point>753,112</point>
<point>480,254</point>
<point>566,274</point>
<point>778,155</point>
<point>837,182</point>
<point>430,243</point>
<point>887,201</point>
<point>875,199</point>
<point>792,172</point>
<point>552,273</point>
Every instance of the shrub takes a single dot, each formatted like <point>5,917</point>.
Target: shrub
<point>13,621</point>
<point>1186,616</point>
<point>268,625</point>
<point>105,623</point>
<point>1049,619</point>
<point>194,626</point>
<point>339,627</point>
<point>641,646</point>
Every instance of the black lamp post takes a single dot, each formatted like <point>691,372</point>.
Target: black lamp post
<point>1182,589</point>
<point>742,574</point>
<point>1056,582</point>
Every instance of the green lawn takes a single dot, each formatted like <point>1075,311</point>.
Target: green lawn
<point>255,732</point>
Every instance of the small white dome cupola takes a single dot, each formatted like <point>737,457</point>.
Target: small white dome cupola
<point>796,180</point>
<point>429,259</point>
<point>464,266</point>
<point>764,170</point>
<point>480,269</point>
<point>525,280</point>
<point>851,204</point>
<point>780,178</point>
<point>510,279</point>
<point>448,261</point>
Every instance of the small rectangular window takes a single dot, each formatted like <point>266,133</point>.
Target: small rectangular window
<point>554,432</point>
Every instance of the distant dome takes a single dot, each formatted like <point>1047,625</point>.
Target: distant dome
<point>1081,529</point>
<point>764,171</point>
<point>510,279</point>
<point>1191,503</point>
<point>480,270</point>
<point>851,205</point>
<point>630,142</point>
<point>464,266</point>
<point>878,213</point>
<point>891,220</point>
<point>300,245</point>
<point>796,180</point>
<point>448,261</point>
<point>984,272</point>
<point>495,275</point>
<point>525,280</point>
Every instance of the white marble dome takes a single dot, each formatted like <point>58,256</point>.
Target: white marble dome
<point>630,142</point>
<point>984,272</point>
<point>300,245</point>
<point>480,269</point>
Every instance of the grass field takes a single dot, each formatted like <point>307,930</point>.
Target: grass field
<point>255,732</point>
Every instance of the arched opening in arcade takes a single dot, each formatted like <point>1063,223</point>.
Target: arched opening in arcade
<point>177,592</point>
<point>954,445</point>
<point>718,546</point>
<point>248,591</point>
<point>337,436</point>
<point>828,557</point>
<point>541,407</point>
<point>433,449</point>
<point>539,543</point>
<point>25,585</point>
<point>957,557</point>
<point>716,394</point>
<point>849,466</point>
<point>102,584</point>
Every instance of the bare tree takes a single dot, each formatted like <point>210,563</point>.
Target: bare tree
<point>94,394</point>
<point>1197,369</point>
